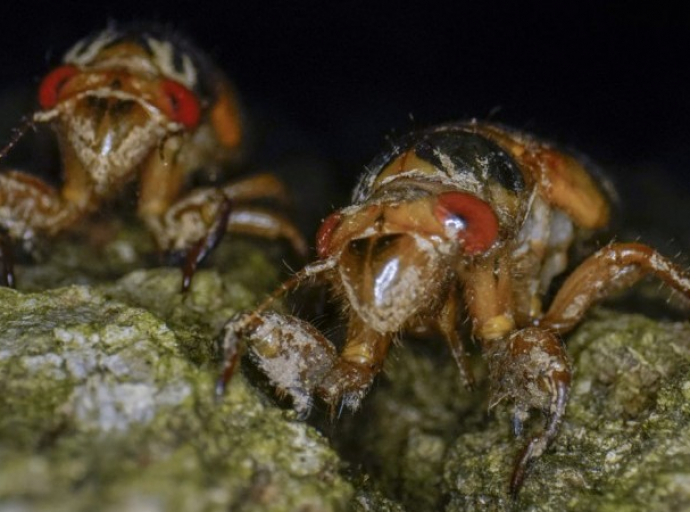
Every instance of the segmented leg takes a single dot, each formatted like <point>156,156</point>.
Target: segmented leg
<point>289,351</point>
<point>258,222</point>
<point>300,362</point>
<point>530,367</point>
<point>261,186</point>
<point>29,206</point>
<point>266,224</point>
<point>198,252</point>
<point>184,223</point>
<point>447,325</point>
<point>611,268</point>
<point>246,325</point>
<point>361,359</point>
<point>196,223</point>
<point>257,186</point>
<point>533,368</point>
<point>298,359</point>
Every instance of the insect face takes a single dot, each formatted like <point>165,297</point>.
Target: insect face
<point>395,257</point>
<point>389,278</point>
<point>463,219</point>
<point>141,103</point>
<point>113,108</point>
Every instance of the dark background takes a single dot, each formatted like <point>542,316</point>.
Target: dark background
<point>610,81</point>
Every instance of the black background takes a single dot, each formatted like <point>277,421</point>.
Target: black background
<point>610,81</point>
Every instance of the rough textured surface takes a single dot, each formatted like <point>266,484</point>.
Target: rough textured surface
<point>107,404</point>
<point>625,443</point>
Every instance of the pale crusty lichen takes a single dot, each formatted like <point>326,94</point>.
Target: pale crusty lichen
<point>624,445</point>
<point>108,403</point>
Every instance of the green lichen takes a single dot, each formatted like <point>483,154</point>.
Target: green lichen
<point>108,404</point>
<point>624,445</point>
<point>237,274</point>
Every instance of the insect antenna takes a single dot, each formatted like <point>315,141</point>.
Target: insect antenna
<point>17,134</point>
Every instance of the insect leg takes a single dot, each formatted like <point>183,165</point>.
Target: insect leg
<point>530,367</point>
<point>258,186</point>
<point>277,331</point>
<point>288,350</point>
<point>259,222</point>
<point>266,224</point>
<point>611,268</point>
<point>447,325</point>
<point>29,206</point>
<point>196,223</point>
<point>201,249</point>
<point>360,361</point>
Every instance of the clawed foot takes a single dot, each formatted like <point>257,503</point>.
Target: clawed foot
<point>289,351</point>
<point>531,368</point>
<point>345,385</point>
<point>201,249</point>
<point>297,359</point>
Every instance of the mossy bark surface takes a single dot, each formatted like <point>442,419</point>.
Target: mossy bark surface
<point>107,374</point>
<point>108,402</point>
<point>624,445</point>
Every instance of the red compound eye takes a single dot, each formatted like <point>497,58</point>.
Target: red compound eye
<point>473,219</point>
<point>182,104</point>
<point>325,233</point>
<point>52,84</point>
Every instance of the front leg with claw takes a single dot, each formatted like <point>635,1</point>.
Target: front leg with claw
<point>289,351</point>
<point>531,368</point>
<point>29,207</point>
<point>301,363</point>
<point>194,224</point>
<point>362,357</point>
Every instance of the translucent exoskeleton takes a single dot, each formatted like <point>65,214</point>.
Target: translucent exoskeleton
<point>141,103</point>
<point>460,221</point>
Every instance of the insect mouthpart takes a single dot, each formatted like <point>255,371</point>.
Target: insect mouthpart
<point>108,135</point>
<point>389,277</point>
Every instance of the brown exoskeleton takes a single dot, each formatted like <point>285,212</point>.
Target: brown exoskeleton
<point>141,103</point>
<point>465,219</point>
